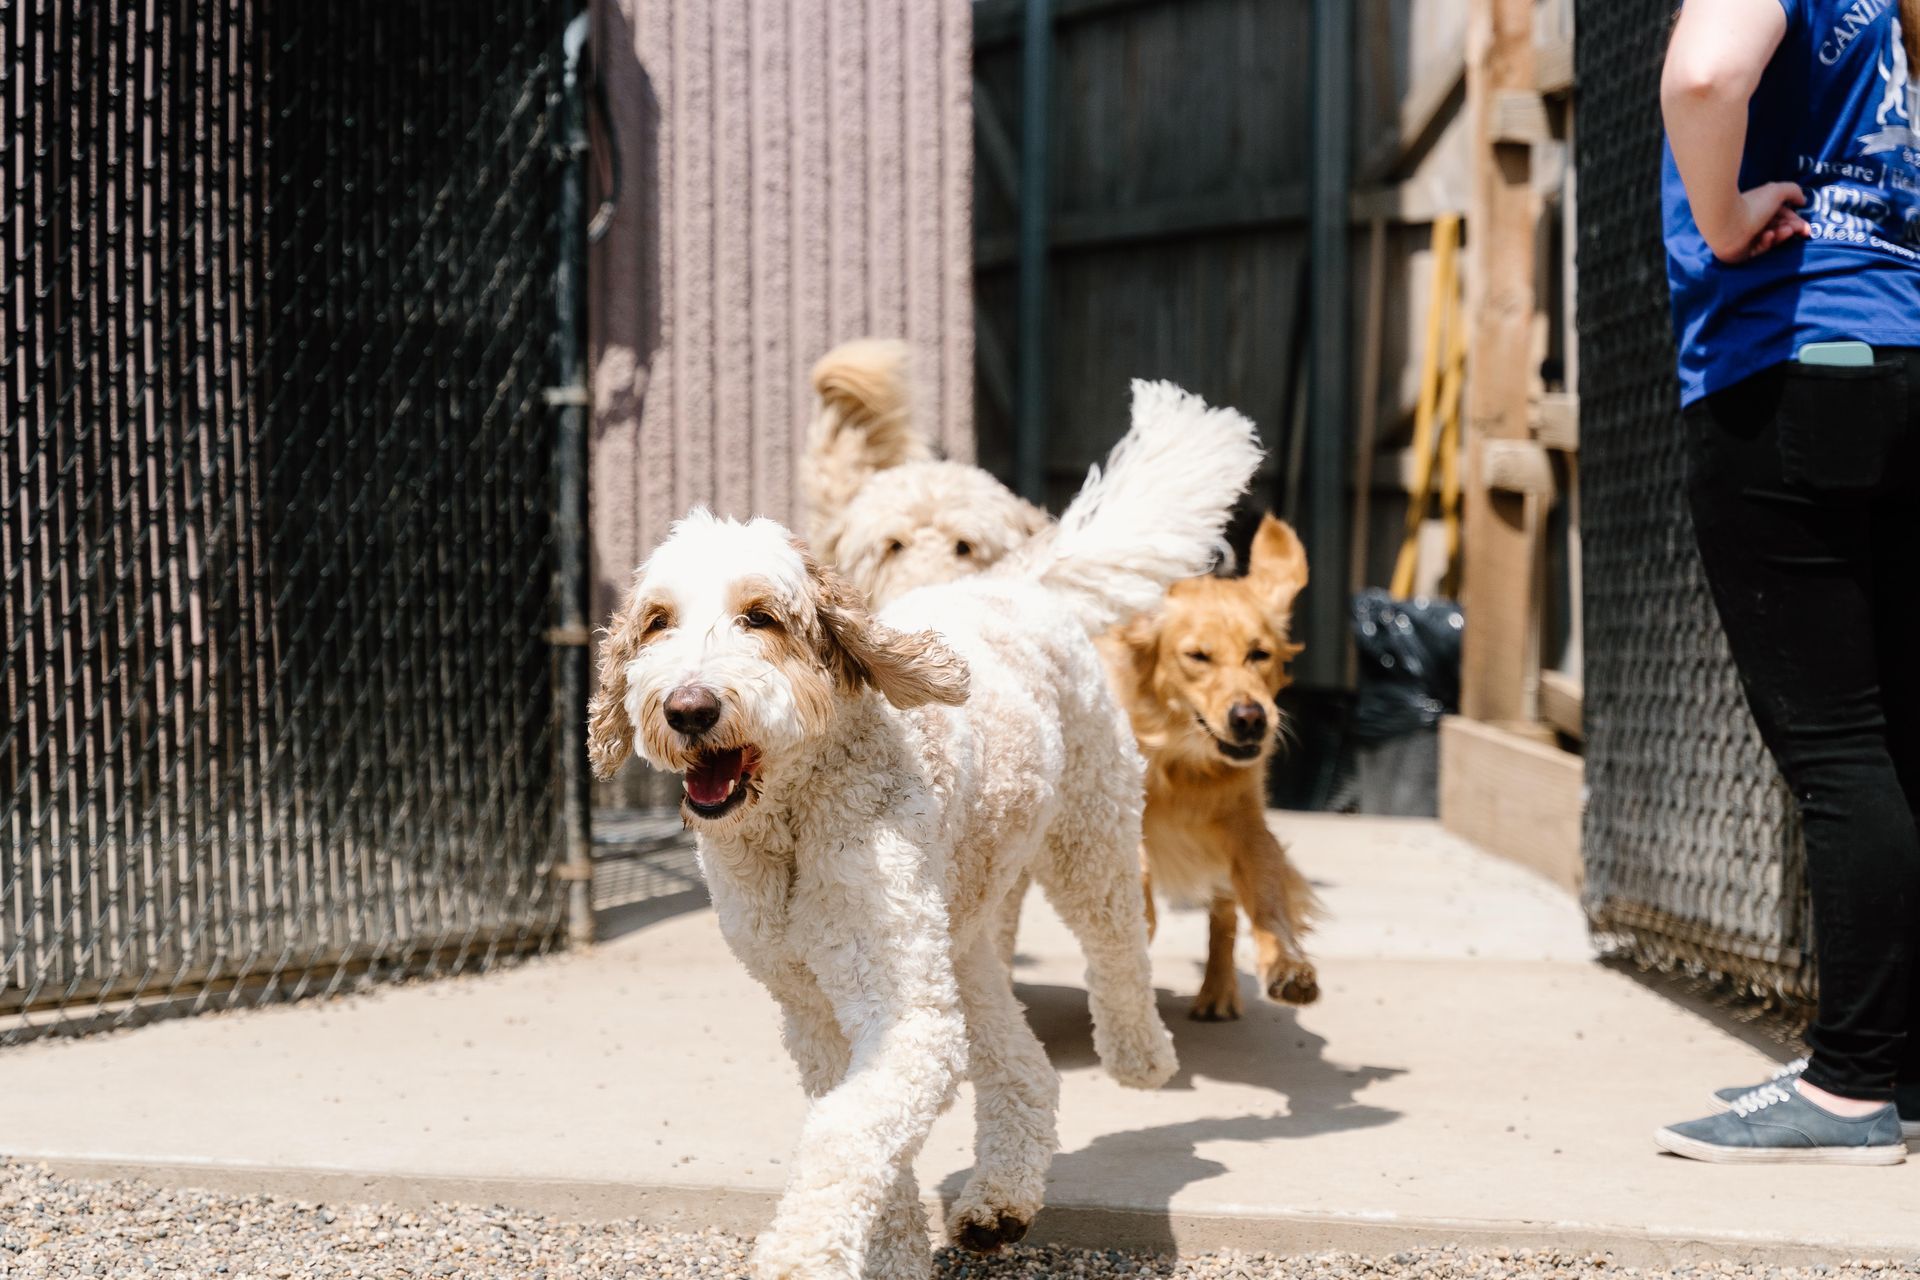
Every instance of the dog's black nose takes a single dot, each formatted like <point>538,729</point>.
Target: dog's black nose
<point>692,710</point>
<point>1248,721</point>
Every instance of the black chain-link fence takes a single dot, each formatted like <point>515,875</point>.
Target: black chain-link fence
<point>1692,849</point>
<point>275,483</point>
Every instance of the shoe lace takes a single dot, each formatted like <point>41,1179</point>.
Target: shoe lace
<point>1767,1095</point>
<point>1797,1067</point>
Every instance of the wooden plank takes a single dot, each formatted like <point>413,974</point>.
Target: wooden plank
<point>1553,74</point>
<point>998,22</point>
<point>1514,797</point>
<point>1562,703</point>
<point>1517,466</point>
<point>1412,203</point>
<point>996,144</point>
<point>1555,421</point>
<point>1430,105</point>
<point>996,370</point>
<point>1367,412</point>
<point>1498,678</point>
<point>1520,118</point>
<point>1180,218</point>
<point>1394,472</point>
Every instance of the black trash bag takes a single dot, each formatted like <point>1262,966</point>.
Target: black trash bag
<point>1409,663</point>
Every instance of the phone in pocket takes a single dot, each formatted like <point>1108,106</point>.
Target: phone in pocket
<point>1841,413</point>
<point>1836,355</point>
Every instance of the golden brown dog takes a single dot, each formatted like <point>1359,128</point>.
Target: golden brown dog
<point>1199,679</point>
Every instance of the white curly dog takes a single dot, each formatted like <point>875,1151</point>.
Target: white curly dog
<point>880,508</point>
<point>869,791</point>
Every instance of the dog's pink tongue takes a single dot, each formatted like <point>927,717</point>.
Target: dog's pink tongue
<point>714,778</point>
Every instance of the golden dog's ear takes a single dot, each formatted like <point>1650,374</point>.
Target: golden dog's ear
<point>1277,567</point>
<point>909,668</point>
<point>1141,639</point>
<point>609,731</point>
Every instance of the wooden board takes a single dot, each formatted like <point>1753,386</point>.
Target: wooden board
<point>1562,703</point>
<point>1502,531</point>
<point>1556,421</point>
<point>1512,796</point>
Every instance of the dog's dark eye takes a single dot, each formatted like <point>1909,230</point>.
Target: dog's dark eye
<point>1257,654</point>
<point>895,547</point>
<point>658,622</point>
<point>759,619</point>
<point>1199,655</point>
<point>963,548</point>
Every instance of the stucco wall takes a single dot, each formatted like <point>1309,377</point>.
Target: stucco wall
<point>795,173</point>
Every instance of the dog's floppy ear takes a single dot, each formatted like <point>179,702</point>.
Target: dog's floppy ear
<point>1277,566</point>
<point>1033,521</point>
<point>609,731</point>
<point>909,668</point>
<point>1141,638</point>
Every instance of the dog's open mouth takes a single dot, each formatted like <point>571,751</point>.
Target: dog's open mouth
<point>718,781</point>
<point>1241,751</point>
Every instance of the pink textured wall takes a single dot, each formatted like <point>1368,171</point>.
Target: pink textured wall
<point>796,172</point>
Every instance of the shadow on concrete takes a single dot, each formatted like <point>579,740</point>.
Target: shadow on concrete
<point>1267,1048</point>
<point>1769,1030</point>
<point>1143,1169</point>
<point>631,917</point>
<point>644,871</point>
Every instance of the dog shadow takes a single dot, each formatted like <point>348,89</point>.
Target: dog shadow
<point>1141,1170</point>
<point>1266,1048</point>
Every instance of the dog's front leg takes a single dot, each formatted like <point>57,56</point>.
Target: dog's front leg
<point>1279,905</point>
<point>811,1032</point>
<point>877,943</point>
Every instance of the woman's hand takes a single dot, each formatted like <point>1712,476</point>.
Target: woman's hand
<point>1753,221</point>
<point>1719,51</point>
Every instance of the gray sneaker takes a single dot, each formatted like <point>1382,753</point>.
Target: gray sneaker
<point>1774,1124</point>
<point>1906,1097</point>
<point>1724,1098</point>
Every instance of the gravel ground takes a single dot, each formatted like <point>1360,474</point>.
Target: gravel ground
<point>58,1227</point>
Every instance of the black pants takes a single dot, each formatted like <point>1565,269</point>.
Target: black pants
<point>1805,488</point>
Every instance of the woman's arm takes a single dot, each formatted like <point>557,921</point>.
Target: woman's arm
<point>1720,49</point>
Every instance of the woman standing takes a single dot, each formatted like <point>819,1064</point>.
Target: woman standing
<point>1792,215</point>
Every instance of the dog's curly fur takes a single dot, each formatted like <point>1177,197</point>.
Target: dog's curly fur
<point>881,510</point>
<point>889,520</point>
<point>868,792</point>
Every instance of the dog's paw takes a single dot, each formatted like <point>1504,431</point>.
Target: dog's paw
<point>996,1206</point>
<point>1216,1006</point>
<point>986,1230</point>
<point>1142,1060</point>
<point>777,1257</point>
<point>903,1256</point>
<point>1295,984</point>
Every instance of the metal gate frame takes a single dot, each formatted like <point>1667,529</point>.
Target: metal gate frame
<point>288,623</point>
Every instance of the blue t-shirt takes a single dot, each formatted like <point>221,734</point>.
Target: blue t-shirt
<point>1836,113</point>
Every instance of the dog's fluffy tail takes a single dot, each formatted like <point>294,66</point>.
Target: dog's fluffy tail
<point>863,423</point>
<point>1154,516</point>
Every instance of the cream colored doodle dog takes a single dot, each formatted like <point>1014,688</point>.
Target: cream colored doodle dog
<point>868,791</point>
<point>880,508</point>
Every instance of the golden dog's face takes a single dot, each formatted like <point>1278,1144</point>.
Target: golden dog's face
<point>1215,657</point>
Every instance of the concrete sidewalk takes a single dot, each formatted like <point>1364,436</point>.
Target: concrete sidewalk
<point>1470,1075</point>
